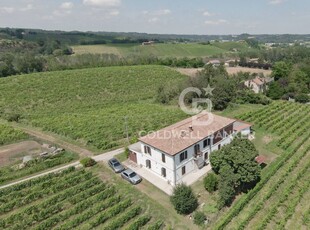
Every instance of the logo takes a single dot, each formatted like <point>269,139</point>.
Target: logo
<point>196,109</point>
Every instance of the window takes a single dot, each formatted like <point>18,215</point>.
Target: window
<point>206,142</point>
<point>147,149</point>
<point>197,149</point>
<point>163,172</point>
<point>183,156</point>
<point>183,170</point>
<point>148,164</point>
<point>163,157</point>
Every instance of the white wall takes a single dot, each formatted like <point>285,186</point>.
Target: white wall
<point>173,165</point>
<point>156,163</point>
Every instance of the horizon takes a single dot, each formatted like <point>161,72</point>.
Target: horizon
<point>160,17</point>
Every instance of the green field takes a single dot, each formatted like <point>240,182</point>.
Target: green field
<point>277,201</point>
<point>159,50</point>
<point>72,199</point>
<point>9,135</point>
<point>92,106</point>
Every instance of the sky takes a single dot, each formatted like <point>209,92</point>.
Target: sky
<point>160,16</point>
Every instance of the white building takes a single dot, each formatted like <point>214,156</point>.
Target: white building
<point>179,149</point>
<point>258,84</point>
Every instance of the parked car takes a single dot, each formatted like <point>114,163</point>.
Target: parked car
<point>131,176</point>
<point>116,165</point>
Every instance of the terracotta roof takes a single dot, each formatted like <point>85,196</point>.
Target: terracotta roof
<point>175,138</point>
<point>241,125</point>
<point>261,159</point>
<point>258,81</point>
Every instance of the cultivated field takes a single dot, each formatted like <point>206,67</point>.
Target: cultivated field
<point>10,135</point>
<point>72,199</point>
<point>93,106</point>
<point>279,200</point>
<point>158,50</point>
<point>18,170</point>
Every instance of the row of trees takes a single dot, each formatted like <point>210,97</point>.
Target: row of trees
<point>31,62</point>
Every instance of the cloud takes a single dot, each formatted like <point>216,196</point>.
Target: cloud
<point>276,2</point>
<point>7,10</point>
<point>216,22</point>
<point>157,12</point>
<point>114,13</point>
<point>102,3</point>
<point>207,13</point>
<point>66,5</point>
<point>153,20</point>
<point>27,8</point>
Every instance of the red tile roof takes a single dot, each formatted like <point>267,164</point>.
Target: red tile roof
<point>177,137</point>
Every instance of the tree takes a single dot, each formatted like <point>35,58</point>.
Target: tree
<point>281,70</point>
<point>210,182</point>
<point>302,98</point>
<point>227,184</point>
<point>88,162</point>
<point>240,157</point>
<point>184,199</point>
<point>275,91</point>
<point>199,218</point>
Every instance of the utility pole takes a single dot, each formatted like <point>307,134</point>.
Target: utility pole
<point>126,128</point>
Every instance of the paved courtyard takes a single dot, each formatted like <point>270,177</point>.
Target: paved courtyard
<point>161,183</point>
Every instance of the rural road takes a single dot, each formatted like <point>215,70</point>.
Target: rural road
<point>99,158</point>
<point>104,157</point>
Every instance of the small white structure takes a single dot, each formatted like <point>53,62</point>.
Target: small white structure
<point>148,43</point>
<point>214,63</point>
<point>185,147</point>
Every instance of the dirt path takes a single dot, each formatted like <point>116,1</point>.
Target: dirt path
<point>99,158</point>
<point>47,137</point>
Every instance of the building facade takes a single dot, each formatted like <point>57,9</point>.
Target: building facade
<point>182,148</point>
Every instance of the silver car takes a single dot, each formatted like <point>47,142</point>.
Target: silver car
<point>131,176</point>
<point>116,166</point>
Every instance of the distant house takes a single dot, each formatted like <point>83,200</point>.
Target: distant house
<point>172,154</point>
<point>214,63</point>
<point>258,84</point>
<point>148,43</point>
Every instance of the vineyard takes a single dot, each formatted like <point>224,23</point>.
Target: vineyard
<point>280,199</point>
<point>12,172</point>
<point>71,199</point>
<point>9,135</point>
<point>92,106</point>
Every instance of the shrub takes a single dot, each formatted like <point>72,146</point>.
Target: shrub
<point>210,182</point>
<point>199,218</point>
<point>88,162</point>
<point>184,199</point>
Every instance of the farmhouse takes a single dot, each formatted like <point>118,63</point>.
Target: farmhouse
<point>258,84</point>
<point>178,150</point>
<point>148,43</point>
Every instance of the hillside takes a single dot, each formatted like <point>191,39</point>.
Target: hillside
<point>92,105</point>
<point>162,50</point>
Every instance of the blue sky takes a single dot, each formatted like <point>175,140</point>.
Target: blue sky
<point>160,16</point>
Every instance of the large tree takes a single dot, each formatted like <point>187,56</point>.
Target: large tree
<point>239,158</point>
<point>184,199</point>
